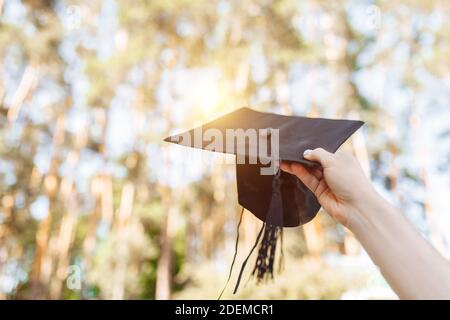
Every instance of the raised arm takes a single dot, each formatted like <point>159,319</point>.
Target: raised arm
<point>411,266</point>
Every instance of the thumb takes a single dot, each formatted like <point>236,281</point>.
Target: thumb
<point>318,155</point>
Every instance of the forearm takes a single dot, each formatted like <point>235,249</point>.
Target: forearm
<point>410,265</point>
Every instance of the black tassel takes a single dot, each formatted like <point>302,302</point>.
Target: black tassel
<point>263,269</point>
<point>281,261</point>
<point>273,231</point>
<point>246,259</point>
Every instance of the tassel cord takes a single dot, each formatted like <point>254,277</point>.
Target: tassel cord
<point>235,254</point>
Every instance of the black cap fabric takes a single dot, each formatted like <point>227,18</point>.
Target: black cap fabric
<point>277,198</point>
<point>296,204</point>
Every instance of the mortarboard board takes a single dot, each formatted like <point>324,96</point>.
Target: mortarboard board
<point>277,198</point>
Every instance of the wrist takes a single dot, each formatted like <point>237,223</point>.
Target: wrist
<point>368,212</point>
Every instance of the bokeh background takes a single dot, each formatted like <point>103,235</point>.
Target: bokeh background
<point>93,205</point>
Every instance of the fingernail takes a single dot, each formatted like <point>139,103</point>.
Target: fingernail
<point>307,153</point>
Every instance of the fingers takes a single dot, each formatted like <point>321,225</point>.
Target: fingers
<point>286,166</point>
<point>316,172</point>
<point>319,155</point>
<point>311,178</point>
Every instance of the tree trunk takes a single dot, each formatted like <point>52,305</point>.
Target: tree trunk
<point>26,86</point>
<point>314,236</point>
<point>122,222</point>
<point>42,264</point>
<point>164,270</point>
<point>65,238</point>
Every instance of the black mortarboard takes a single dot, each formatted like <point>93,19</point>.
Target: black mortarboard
<point>278,199</point>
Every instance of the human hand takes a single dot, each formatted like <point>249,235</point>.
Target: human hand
<point>341,187</point>
<point>410,265</point>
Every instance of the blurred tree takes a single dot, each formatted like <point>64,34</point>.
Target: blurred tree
<point>89,89</point>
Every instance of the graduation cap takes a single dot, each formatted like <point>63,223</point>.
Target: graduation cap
<point>260,141</point>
